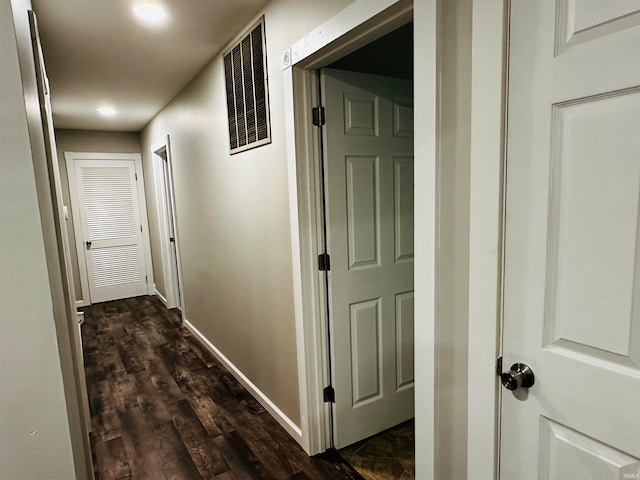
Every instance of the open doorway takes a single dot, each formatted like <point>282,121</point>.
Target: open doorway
<point>372,140</point>
<point>367,167</point>
<point>342,35</point>
<point>168,285</point>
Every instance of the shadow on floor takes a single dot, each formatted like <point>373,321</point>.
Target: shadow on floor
<point>386,456</point>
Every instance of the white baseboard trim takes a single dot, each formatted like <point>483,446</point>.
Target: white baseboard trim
<point>271,407</point>
<point>81,303</point>
<point>160,296</point>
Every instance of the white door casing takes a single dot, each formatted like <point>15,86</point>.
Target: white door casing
<point>368,158</point>
<point>72,317</point>
<point>319,48</point>
<point>109,211</point>
<point>572,283</point>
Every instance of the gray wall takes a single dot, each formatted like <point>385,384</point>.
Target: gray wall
<point>233,215</point>
<point>35,439</point>
<point>88,141</point>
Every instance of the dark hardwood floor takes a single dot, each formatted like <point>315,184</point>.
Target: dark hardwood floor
<point>163,408</point>
<point>389,455</point>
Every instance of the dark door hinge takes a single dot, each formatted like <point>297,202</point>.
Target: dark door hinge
<point>499,366</point>
<point>317,114</point>
<point>324,262</point>
<point>146,278</point>
<point>329,394</point>
<point>136,176</point>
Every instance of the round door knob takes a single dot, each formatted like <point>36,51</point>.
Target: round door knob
<point>520,375</point>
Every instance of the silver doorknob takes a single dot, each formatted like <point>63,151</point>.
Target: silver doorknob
<point>520,375</point>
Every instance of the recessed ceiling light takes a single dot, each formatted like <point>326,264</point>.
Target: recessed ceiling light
<point>106,111</point>
<point>150,13</point>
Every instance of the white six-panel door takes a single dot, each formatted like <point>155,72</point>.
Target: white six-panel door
<point>109,227</point>
<point>572,264</point>
<point>368,146</point>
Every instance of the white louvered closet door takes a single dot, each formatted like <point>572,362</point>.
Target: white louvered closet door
<point>110,217</point>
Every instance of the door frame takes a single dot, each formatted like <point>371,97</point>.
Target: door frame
<point>357,25</point>
<point>172,271</point>
<point>344,33</point>
<point>70,158</point>
<point>489,83</point>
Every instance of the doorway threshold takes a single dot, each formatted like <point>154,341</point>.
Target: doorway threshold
<point>389,455</point>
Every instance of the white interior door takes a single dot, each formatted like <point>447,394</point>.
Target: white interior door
<point>368,162</point>
<point>110,233</point>
<point>572,283</point>
<point>167,211</point>
<point>172,232</point>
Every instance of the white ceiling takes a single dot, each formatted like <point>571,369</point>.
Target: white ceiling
<point>98,53</point>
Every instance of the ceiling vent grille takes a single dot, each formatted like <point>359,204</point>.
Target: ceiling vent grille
<point>245,71</point>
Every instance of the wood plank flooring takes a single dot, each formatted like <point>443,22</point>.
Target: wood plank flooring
<point>386,456</point>
<point>162,408</point>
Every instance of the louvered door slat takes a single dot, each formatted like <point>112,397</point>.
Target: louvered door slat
<point>109,202</point>
<point>116,266</point>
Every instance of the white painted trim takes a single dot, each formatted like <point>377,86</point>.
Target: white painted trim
<point>81,303</point>
<point>271,407</point>
<point>354,26</point>
<point>358,24</point>
<point>161,297</point>
<point>489,47</point>
<point>426,146</point>
<point>70,158</point>
<point>309,294</point>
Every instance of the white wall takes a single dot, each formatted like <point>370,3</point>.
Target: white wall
<point>34,434</point>
<point>88,141</point>
<point>442,61</point>
<point>233,215</point>
<point>453,239</point>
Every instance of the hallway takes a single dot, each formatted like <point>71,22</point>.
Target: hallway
<point>163,408</point>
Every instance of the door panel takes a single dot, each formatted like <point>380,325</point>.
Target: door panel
<point>572,245</point>
<point>363,198</point>
<point>565,453</point>
<point>585,20</point>
<point>368,145</point>
<point>404,340</point>
<point>403,207</point>
<point>366,358</point>
<point>594,222</point>
<point>109,201</point>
